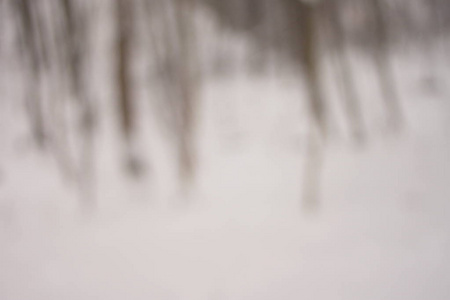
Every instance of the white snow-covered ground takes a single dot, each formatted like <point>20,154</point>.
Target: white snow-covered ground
<point>382,230</point>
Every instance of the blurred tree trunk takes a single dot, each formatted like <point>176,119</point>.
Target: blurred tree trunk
<point>124,18</point>
<point>188,86</point>
<point>384,67</point>
<point>76,41</point>
<point>344,70</point>
<point>32,56</point>
<point>124,22</point>
<point>162,35</point>
<point>311,63</point>
<point>318,123</point>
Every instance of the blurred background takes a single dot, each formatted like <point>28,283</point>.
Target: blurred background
<point>224,149</point>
